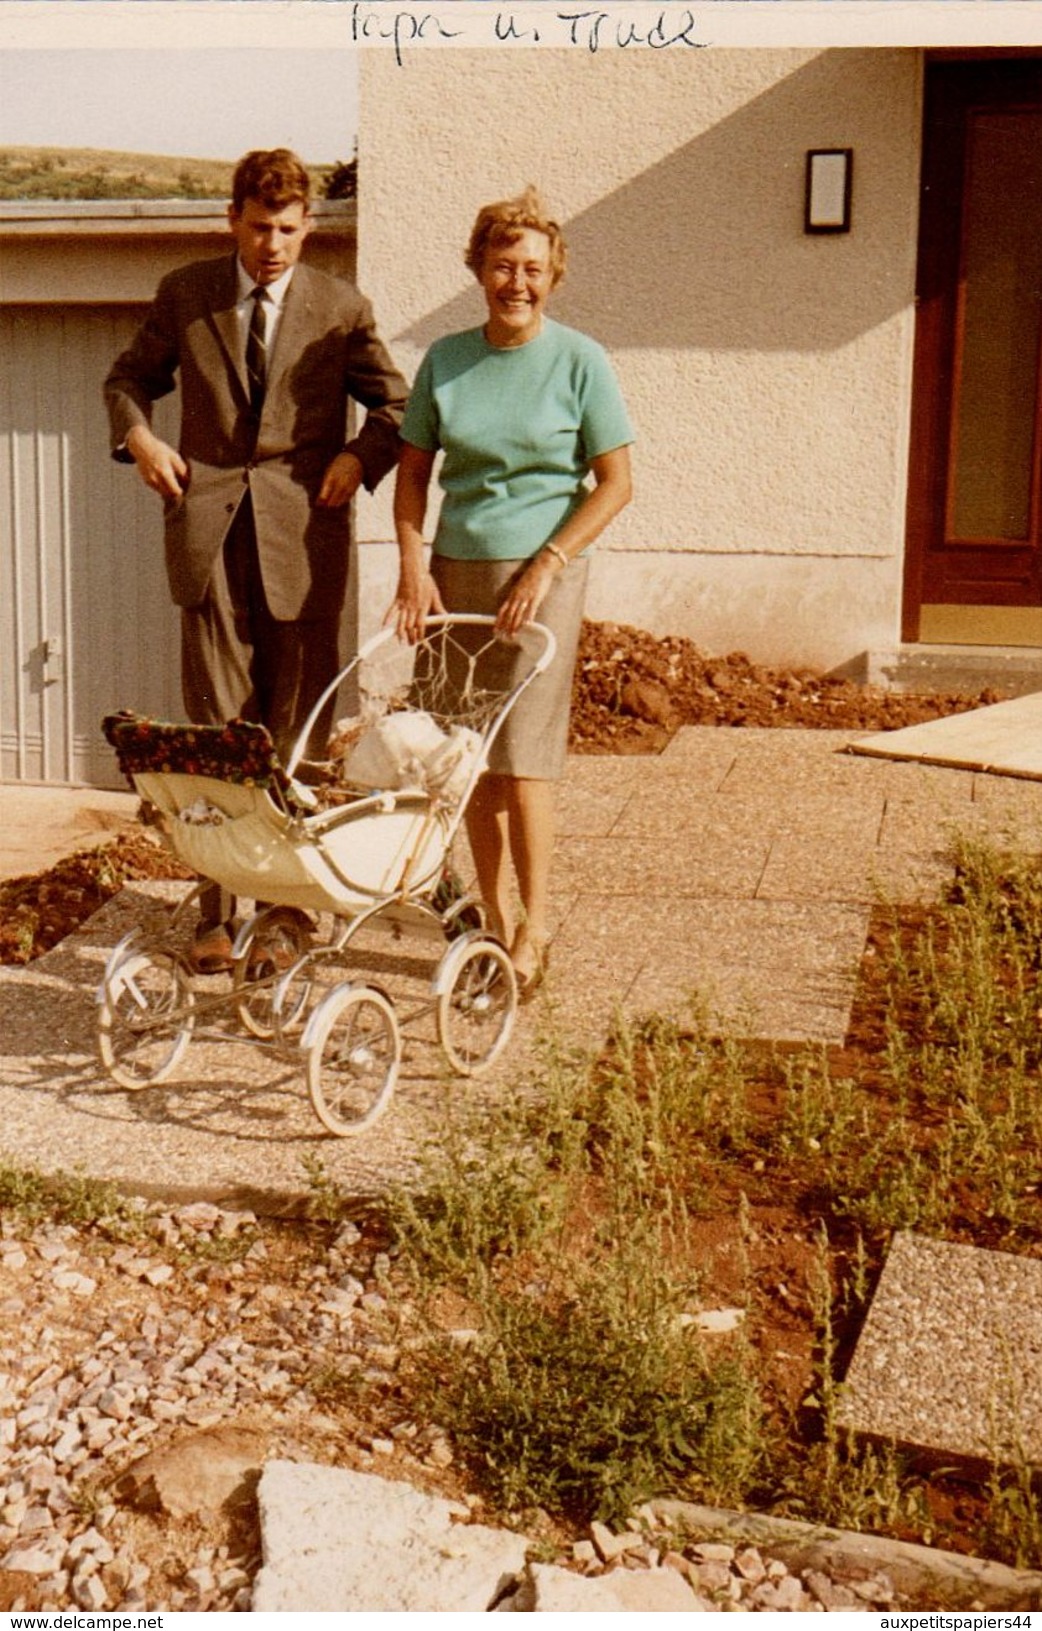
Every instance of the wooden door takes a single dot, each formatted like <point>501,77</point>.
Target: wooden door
<point>975,505</point>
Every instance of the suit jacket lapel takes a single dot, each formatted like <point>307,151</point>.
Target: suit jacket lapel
<point>294,328</point>
<point>226,322</point>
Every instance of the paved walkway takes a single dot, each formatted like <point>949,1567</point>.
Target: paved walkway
<point>741,864</point>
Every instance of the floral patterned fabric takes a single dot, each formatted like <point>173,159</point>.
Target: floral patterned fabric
<point>237,752</point>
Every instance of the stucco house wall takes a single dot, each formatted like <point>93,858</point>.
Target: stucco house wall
<point>768,372</point>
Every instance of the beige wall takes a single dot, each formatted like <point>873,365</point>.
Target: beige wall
<point>768,372</point>
<point>85,253</point>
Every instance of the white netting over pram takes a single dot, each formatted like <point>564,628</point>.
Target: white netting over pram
<point>423,716</point>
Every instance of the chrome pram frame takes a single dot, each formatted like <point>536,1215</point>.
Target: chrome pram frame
<point>380,857</point>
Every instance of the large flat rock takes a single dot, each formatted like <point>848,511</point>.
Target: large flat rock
<point>336,1541</point>
<point>950,1356</point>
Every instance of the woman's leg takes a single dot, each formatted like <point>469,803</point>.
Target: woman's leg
<point>488,831</point>
<point>510,819</point>
<point>530,804</point>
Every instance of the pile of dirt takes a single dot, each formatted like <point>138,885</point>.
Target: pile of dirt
<point>633,691</point>
<point>39,910</point>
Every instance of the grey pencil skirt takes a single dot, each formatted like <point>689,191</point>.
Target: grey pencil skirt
<point>534,739</point>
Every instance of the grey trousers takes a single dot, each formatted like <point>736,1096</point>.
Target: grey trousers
<point>239,662</point>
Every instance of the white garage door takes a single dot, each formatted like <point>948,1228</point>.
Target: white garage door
<point>86,623</point>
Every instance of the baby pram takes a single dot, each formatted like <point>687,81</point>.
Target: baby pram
<point>363,840</point>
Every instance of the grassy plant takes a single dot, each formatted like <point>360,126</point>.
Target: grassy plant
<point>212,1248</point>
<point>326,1202</point>
<point>336,1386</point>
<point>1013,1526</point>
<point>73,1198</point>
<point>566,1222</point>
<point>584,1392</point>
<point>591,1405</point>
<point>853,1485</point>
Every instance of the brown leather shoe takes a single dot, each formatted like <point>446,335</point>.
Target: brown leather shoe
<point>212,951</point>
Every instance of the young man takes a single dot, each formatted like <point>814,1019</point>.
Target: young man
<point>268,353</point>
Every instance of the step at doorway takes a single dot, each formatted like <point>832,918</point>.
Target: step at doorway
<point>955,625</point>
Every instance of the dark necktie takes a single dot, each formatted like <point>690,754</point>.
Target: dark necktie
<point>256,359</point>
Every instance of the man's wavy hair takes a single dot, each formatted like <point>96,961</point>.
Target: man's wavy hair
<point>504,222</point>
<point>274,177</point>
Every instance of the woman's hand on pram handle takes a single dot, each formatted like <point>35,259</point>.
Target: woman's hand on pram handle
<point>416,599</point>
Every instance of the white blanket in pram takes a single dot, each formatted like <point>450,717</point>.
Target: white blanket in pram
<point>410,749</point>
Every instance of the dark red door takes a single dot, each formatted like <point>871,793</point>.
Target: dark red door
<point>974,510</point>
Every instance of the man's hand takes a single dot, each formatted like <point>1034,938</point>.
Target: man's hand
<point>160,465</point>
<point>341,481</point>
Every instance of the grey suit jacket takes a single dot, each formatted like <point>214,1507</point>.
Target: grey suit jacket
<point>326,352</point>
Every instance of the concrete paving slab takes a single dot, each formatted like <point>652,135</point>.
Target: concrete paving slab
<point>691,864</point>
<point>908,877</point>
<point>910,829</point>
<point>769,969</point>
<point>836,868</point>
<point>1005,738</point>
<point>608,772</point>
<point>591,812</point>
<point>750,815</point>
<point>772,760</point>
<point>233,1122</point>
<point>1017,798</point>
<point>949,1360</point>
<point>766,968</point>
<point>947,793</point>
<point>706,752</point>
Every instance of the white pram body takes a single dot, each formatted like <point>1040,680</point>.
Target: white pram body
<point>373,840</point>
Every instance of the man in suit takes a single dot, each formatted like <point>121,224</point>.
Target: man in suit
<point>269,352</point>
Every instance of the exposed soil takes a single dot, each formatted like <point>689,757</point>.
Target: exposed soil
<point>633,691</point>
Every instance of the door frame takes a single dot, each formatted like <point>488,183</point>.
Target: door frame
<point>954,82</point>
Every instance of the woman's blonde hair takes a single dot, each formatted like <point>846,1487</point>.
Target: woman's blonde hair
<point>504,222</point>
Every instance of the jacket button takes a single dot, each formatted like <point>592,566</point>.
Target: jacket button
<point>229,509</point>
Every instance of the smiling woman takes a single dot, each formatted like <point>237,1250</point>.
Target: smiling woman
<point>535,438</point>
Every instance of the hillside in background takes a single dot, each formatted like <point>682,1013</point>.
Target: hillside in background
<point>92,172</point>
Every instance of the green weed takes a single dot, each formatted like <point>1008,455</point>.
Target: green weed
<point>589,1406</point>
<point>326,1202</point>
<point>561,1223</point>
<point>73,1198</point>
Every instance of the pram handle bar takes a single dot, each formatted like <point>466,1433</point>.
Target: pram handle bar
<point>540,662</point>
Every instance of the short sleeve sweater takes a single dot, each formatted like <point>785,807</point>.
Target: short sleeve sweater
<point>518,426</point>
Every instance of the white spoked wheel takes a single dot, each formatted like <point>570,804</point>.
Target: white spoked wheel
<point>476,1004</point>
<point>354,1048</point>
<point>280,940</point>
<point>145,1018</point>
<point>292,998</point>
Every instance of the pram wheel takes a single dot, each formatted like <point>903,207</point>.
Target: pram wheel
<point>476,1003</point>
<point>145,1018</point>
<point>280,939</point>
<point>354,1048</point>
